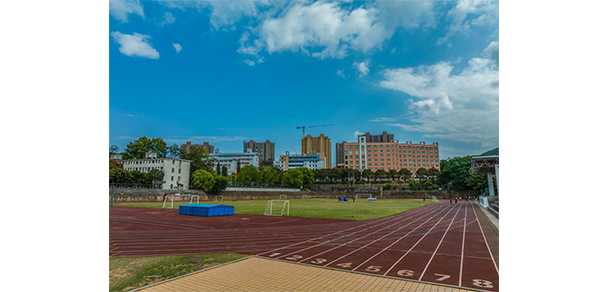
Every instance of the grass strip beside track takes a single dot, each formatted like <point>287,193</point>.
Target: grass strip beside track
<point>313,208</point>
<point>130,273</point>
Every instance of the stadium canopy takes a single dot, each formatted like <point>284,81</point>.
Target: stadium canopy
<point>489,165</point>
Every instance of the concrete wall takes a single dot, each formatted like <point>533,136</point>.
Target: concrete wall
<point>134,195</point>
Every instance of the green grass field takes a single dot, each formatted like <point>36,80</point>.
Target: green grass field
<point>315,208</point>
<point>130,273</point>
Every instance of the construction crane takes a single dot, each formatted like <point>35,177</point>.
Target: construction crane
<point>303,127</point>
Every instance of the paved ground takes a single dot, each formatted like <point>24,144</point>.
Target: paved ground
<point>257,274</point>
<point>440,243</point>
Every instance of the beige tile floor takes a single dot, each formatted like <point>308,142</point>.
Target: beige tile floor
<point>258,274</point>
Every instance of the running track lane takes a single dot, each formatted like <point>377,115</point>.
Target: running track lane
<point>447,242</point>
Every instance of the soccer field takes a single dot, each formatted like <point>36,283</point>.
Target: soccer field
<point>314,208</point>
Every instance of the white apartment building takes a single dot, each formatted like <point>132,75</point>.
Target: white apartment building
<point>230,159</point>
<point>177,171</point>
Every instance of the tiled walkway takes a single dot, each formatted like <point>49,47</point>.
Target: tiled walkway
<point>258,274</point>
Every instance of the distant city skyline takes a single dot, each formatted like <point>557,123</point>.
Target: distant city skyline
<point>225,73</point>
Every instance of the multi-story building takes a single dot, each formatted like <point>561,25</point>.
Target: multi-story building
<point>311,161</point>
<point>177,171</point>
<point>384,137</point>
<point>230,160</point>
<point>390,155</point>
<point>188,146</point>
<point>265,149</point>
<point>339,157</point>
<point>320,144</point>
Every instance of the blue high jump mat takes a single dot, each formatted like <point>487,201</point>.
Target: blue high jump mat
<point>206,210</point>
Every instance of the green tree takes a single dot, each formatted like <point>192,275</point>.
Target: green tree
<point>368,174</point>
<point>200,159</point>
<point>381,174</point>
<point>433,172</point>
<point>139,177</point>
<point>174,151</point>
<point>156,176</point>
<point>217,167</point>
<point>477,182</point>
<point>248,175</point>
<point>225,171</point>
<point>115,164</point>
<point>138,149</point>
<point>203,179</point>
<point>307,175</point>
<point>293,177</point>
<point>455,172</point>
<point>421,172</point>
<point>270,175</point>
<point>393,174</point>
<point>114,149</point>
<point>268,162</point>
<point>405,173</point>
<point>220,184</point>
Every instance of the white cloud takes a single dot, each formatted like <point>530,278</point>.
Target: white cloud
<point>320,29</point>
<point>178,47</point>
<point>168,18</point>
<point>135,45</point>
<point>361,67</point>
<point>120,9</point>
<point>459,106</point>
<point>358,133</point>
<point>469,13</point>
<point>341,74</point>
<point>493,52</point>
<point>433,105</point>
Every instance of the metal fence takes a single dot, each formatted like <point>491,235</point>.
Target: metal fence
<point>135,186</point>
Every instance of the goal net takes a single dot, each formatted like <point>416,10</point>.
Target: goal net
<point>283,197</point>
<point>277,208</point>
<point>218,198</point>
<point>358,196</point>
<point>304,197</point>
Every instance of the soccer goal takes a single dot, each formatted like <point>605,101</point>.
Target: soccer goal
<point>171,197</point>
<point>358,196</point>
<point>218,198</point>
<point>277,208</point>
<point>283,197</point>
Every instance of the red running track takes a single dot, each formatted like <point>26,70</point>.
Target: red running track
<point>440,243</point>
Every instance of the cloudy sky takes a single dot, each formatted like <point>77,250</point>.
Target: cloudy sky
<point>227,71</point>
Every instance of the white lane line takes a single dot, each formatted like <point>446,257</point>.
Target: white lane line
<point>397,240</point>
<point>310,247</point>
<point>463,241</point>
<point>316,238</point>
<point>378,239</point>
<point>439,244</point>
<point>422,238</point>
<point>483,233</point>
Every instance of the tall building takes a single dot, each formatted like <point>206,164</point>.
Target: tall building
<point>176,170</point>
<point>311,161</point>
<point>320,144</point>
<point>340,158</point>
<point>230,159</point>
<point>390,155</point>
<point>265,149</point>
<point>383,137</point>
<point>188,146</point>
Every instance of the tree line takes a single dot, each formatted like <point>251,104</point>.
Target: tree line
<point>205,174</point>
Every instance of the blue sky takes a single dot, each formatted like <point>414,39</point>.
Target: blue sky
<point>228,71</point>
